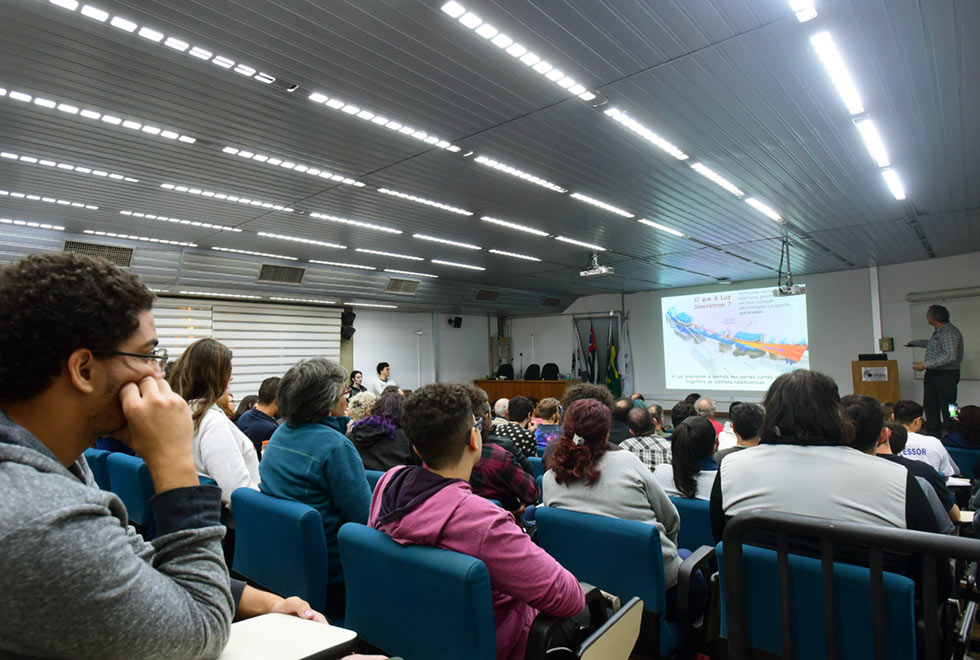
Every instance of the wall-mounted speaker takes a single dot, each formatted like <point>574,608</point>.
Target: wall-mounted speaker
<point>347,332</point>
<point>456,321</point>
<point>347,325</point>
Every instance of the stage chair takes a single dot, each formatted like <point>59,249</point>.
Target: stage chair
<point>549,371</point>
<point>533,372</point>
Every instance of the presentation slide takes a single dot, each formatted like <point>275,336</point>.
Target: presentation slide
<point>735,340</point>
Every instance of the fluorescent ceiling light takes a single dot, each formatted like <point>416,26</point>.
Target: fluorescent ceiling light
<point>355,223</point>
<point>225,197</point>
<point>764,209</point>
<point>255,254</point>
<point>456,265</point>
<point>176,44</point>
<point>565,239</point>
<point>286,163</point>
<point>645,133</point>
<point>454,9</point>
<point>422,200</point>
<point>178,221</point>
<point>894,183</point>
<point>341,265</point>
<point>602,205</point>
<point>95,13</point>
<point>297,239</point>
<point>303,300</point>
<point>48,200</point>
<point>514,225</point>
<point>123,24</point>
<point>393,255</point>
<point>70,5</point>
<point>803,9</point>
<point>353,304</point>
<point>34,160</point>
<point>873,142</point>
<point>31,223</point>
<point>410,272</point>
<point>212,294</point>
<point>657,225</point>
<point>710,174</point>
<point>520,174</point>
<point>152,35</point>
<point>837,70</point>
<point>515,255</point>
<point>468,246</point>
<point>144,239</point>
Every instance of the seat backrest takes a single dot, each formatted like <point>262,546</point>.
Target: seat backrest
<point>373,476</point>
<point>549,371</point>
<point>281,545</point>
<point>97,462</point>
<point>622,557</point>
<point>533,372</point>
<point>695,522</point>
<point>615,639</point>
<point>130,480</point>
<point>852,591</point>
<point>506,371</point>
<point>537,466</point>
<point>965,459</point>
<point>420,603</point>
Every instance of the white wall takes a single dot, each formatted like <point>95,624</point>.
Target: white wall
<point>464,352</point>
<point>542,339</point>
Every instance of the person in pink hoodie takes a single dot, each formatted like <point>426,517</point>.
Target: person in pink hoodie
<point>435,506</point>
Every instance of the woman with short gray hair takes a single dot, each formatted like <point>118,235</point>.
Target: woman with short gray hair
<point>310,460</point>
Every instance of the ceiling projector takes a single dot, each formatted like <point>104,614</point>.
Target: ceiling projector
<point>595,269</point>
<point>789,290</point>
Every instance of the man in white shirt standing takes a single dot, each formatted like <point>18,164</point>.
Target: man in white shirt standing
<point>922,447</point>
<point>383,380</point>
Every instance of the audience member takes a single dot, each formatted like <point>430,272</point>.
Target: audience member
<point>246,404</point>
<point>383,380</point>
<point>637,399</point>
<point>500,412</point>
<point>379,438</point>
<point>705,407</point>
<point>657,413</point>
<point>550,427</point>
<point>226,404</point>
<point>392,388</point>
<point>966,429</point>
<point>692,397</point>
<point>600,393</point>
<point>681,411</point>
<point>746,425</point>
<point>922,447</point>
<point>221,451</point>
<point>620,429</point>
<point>519,429</point>
<point>481,409</point>
<point>726,438</point>
<point>259,423</point>
<point>359,405</point>
<point>691,471</point>
<point>435,506</point>
<point>355,384</point>
<point>310,460</point>
<point>650,448</point>
<point>77,581</point>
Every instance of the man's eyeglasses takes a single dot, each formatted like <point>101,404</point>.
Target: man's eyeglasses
<point>159,355</point>
<point>478,424</point>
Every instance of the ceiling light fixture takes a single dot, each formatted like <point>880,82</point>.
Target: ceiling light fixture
<point>353,304</point>
<point>713,176</point>
<point>296,239</point>
<point>470,20</point>
<point>49,200</point>
<point>602,205</point>
<point>341,265</point>
<point>393,255</point>
<point>34,160</point>
<point>425,237</point>
<point>872,141</point>
<point>657,225</point>
<point>255,254</point>
<point>31,224</point>
<point>514,225</point>
<point>894,183</point>
<point>803,9</point>
<point>515,255</point>
<point>565,239</point>
<point>520,174</point>
<point>456,265</point>
<point>764,209</point>
<point>224,197</point>
<point>422,200</point>
<point>837,70</point>
<point>212,294</point>
<point>355,223</point>
<point>288,164</point>
<point>645,133</point>
<point>178,221</point>
<point>144,239</point>
<point>410,272</point>
<point>303,300</point>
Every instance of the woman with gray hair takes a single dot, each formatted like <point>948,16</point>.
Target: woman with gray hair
<point>310,460</point>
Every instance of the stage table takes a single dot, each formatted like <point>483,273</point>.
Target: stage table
<point>541,389</point>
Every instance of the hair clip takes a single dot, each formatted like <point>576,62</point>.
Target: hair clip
<point>577,439</point>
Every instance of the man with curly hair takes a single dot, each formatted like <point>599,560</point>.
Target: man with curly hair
<point>79,360</point>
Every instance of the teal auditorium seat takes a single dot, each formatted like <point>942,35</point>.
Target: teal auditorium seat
<point>96,459</point>
<point>965,459</point>
<point>280,544</point>
<point>695,523</point>
<point>373,476</point>
<point>130,480</point>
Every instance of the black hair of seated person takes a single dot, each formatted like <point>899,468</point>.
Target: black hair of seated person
<point>899,437</point>
<point>694,440</point>
<point>438,419</point>
<point>906,411</point>
<point>692,397</point>
<point>55,303</point>
<point>246,404</point>
<point>803,408</point>
<point>681,411</point>
<point>518,408</point>
<point>600,393</point>
<point>621,408</point>
<point>747,420</point>
<point>640,421</point>
<point>268,389</point>
<point>866,416</point>
<point>657,411</point>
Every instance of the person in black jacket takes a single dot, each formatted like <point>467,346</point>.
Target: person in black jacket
<point>379,438</point>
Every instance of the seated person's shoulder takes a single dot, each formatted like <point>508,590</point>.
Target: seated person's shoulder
<point>31,494</point>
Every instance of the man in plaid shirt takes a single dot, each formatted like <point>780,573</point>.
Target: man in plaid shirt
<point>650,448</point>
<point>944,355</point>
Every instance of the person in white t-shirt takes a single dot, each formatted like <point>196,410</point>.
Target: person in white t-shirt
<point>727,438</point>
<point>922,447</point>
<point>383,380</point>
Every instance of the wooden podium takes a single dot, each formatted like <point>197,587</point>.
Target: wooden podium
<point>876,378</point>
<point>511,388</point>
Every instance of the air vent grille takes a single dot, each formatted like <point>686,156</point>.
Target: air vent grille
<point>402,287</point>
<point>551,302</point>
<point>486,295</point>
<point>121,256</point>
<point>281,274</point>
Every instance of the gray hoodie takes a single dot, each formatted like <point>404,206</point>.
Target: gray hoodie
<point>76,581</point>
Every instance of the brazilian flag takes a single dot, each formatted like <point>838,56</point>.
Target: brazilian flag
<point>613,380</point>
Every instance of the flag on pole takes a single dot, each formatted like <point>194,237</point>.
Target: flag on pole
<point>613,380</point>
<point>593,350</point>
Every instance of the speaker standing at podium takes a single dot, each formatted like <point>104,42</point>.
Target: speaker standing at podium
<point>944,354</point>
